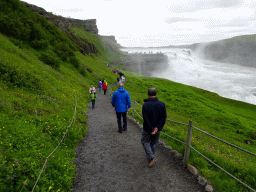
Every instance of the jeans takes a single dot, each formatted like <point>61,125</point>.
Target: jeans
<point>150,143</point>
<point>99,89</point>
<point>119,122</point>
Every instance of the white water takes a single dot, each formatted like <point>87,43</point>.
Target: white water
<point>227,80</point>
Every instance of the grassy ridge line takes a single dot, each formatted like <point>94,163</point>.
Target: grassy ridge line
<point>36,106</point>
<point>217,115</point>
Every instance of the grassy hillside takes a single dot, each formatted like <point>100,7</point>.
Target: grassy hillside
<point>43,76</point>
<point>211,113</point>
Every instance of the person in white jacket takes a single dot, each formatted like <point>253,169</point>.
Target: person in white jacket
<point>92,89</point>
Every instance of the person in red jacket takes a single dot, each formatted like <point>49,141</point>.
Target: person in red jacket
<point>105,87</point>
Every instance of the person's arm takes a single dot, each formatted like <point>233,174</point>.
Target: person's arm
<point>129,102</point>
<point>113,101</point>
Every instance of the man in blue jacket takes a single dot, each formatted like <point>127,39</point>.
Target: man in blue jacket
<point>154,117</point>
<point>122,103</point>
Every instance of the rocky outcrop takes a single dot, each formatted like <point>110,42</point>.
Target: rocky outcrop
<point>65,23</point>
<point>237,50</point>
<point>146,63</point>
<point>110,38</point>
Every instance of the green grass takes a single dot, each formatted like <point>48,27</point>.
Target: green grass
<point>217,115</point>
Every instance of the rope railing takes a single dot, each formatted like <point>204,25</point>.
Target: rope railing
<point>223,169</point>
<point>57,145</point>
<point>173,138</point>
<point>225,141</point>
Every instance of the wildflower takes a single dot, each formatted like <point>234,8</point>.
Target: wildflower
<point>12,178</point>
<point>8,175</point>
<point>50,187</point>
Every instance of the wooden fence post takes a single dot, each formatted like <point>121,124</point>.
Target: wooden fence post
<point>188,142</point>
<point>133,109</point>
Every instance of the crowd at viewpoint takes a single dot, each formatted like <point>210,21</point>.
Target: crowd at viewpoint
<point>153,111</point>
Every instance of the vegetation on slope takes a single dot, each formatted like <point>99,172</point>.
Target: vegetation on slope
<point>42,76</point>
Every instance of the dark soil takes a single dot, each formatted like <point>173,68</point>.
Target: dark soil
<point>110,161</point>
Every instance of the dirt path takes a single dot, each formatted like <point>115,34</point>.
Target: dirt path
<point>109,161</point>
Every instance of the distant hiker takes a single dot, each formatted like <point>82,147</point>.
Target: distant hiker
<point>92,89</point>
<point>105,87</point>
<point>121,101</point>
<point>93,97</point>
<point>102,81</point>
<point>154,117</point>
<point>117,79</point>
<point>100,85</point>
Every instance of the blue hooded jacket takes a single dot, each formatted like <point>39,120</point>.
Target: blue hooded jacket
<point>121,100</point>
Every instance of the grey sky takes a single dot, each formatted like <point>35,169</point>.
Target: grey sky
<point>162,22</point>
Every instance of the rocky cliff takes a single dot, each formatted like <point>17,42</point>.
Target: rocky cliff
<point>110,38</point>
<point>64,23</point>
<point>237,50</point>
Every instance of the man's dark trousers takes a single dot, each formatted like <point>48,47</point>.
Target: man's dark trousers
<point>150,143</point>
<point>119,122</point>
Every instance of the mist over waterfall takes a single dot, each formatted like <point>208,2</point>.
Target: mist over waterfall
<point>227,80</point>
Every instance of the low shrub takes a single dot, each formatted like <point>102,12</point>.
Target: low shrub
<point>50,59</point>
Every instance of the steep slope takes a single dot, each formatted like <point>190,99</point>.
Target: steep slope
<point>44,82</point>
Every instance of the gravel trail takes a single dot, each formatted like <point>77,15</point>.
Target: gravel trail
<point>108,161</point>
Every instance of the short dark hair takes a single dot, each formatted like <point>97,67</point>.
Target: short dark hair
<point>152,91</point>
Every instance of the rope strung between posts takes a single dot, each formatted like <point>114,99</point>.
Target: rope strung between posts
<point>224,141</point>
<point>223,169</point>
<point>138,114</point>
<point>173,138</point>
<point>57,146</point>
<point>177,122</point>
<point>138,104</point>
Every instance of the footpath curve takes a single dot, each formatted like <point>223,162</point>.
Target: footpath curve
<point>108,161</point>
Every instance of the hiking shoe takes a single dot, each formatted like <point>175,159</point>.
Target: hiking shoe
<point>125,129</point>
<point>120,131</point>
<point>151,162</point>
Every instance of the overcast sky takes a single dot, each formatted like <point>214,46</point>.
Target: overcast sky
<point>153,23</point>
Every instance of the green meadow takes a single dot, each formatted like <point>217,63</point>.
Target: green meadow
<point>44,83</point>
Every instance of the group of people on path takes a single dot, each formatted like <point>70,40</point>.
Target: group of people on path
<point>93,95</point>
<point>154,117</point>
<point>153,111</point>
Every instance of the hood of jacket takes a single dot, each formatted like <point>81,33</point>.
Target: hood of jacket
<point>121,89</point>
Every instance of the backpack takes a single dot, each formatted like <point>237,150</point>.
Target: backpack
<point>93,96</point>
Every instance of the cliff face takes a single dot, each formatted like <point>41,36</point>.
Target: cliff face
<point>64,23</point>
<point>110,38</point>
<point>238,50</point>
